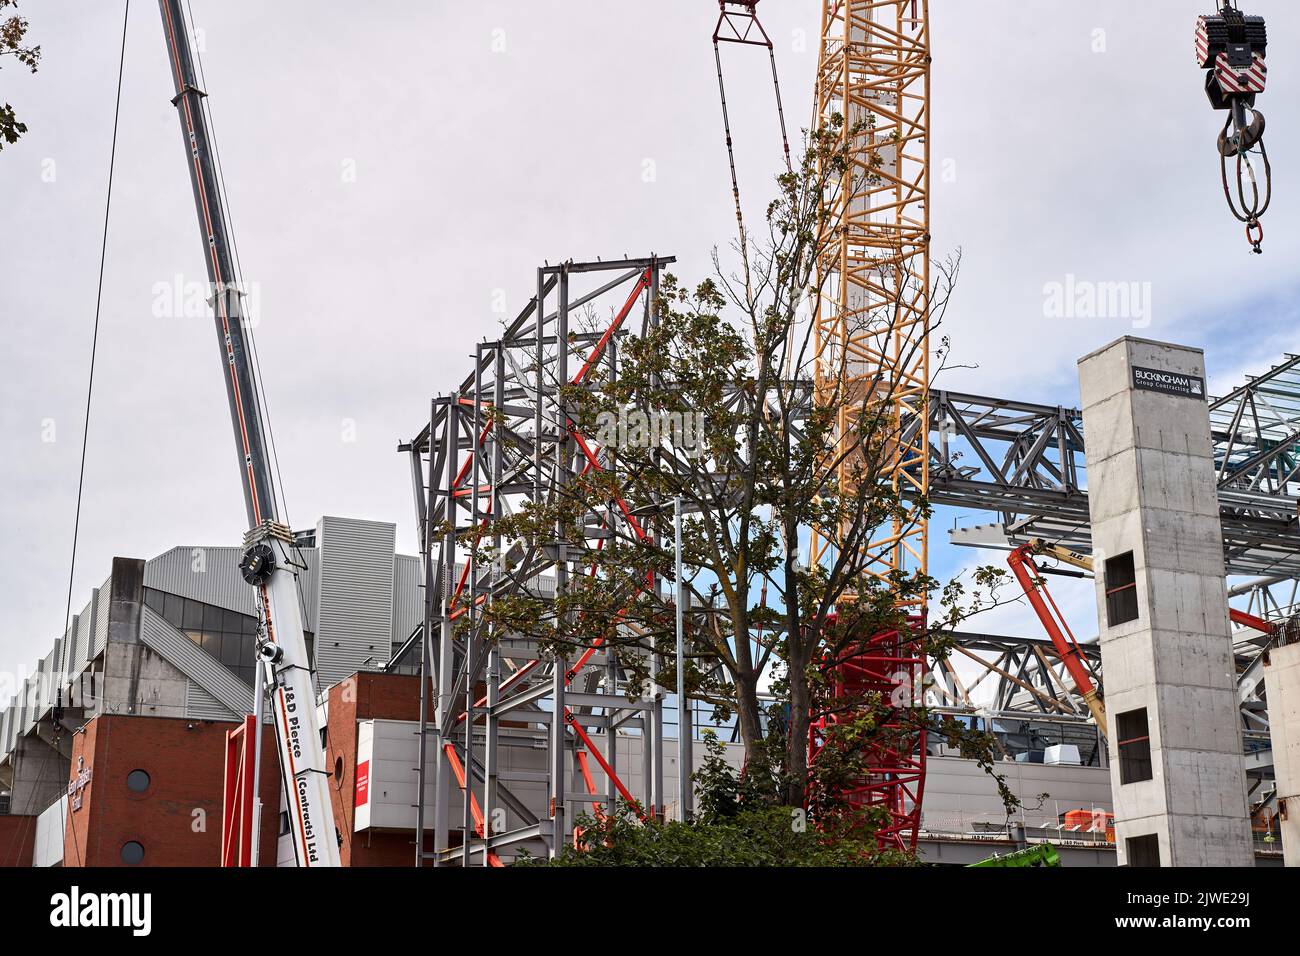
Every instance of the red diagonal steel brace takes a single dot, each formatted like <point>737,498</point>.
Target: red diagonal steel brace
<point>585,767</point>
<point>464,469</point>
<point>573,724</point>
<point>641,285</point>
<point>459,770</point>
<point>622,505</point>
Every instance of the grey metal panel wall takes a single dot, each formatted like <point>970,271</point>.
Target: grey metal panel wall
<point>960,794</point>
<point>309,587</point>
<point>408,596</point>
<point>29,702</point>
<point>201,705</point>
<point>218,582</point>
<point>45,688</point>
<point>6,724</point>
<point>195,663</point>
<point>61,649</point>
<point>207,574</point>
<point>354,620</point>
<point>48,849</point>
<point>85,631</point>
<point>70,649</point>
<point>101,617</point>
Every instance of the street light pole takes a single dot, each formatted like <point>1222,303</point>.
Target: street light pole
<point>685,758</point>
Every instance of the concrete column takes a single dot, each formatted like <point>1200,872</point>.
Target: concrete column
<point>1282,680</point>
<point>1165,639</point>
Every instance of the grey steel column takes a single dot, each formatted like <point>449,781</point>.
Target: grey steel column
<point>611,654</point>
<point>656,714</point>
<point>447,635</point>
<point>431,587</point>
<point>559,725</point>
<point>684,730</point>
<point>492,745</point>
<point>471,609</point>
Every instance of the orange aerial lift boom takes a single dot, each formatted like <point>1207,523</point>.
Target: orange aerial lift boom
<point>1035,587</point>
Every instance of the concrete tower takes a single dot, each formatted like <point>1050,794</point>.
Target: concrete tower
<point>1175,740</point>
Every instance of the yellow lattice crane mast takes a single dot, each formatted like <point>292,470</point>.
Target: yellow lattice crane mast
<point>872,311</point>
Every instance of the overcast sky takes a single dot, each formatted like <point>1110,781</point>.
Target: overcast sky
<point>396,170</point>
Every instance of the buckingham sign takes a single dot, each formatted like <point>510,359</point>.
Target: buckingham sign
<point>1171,383</point>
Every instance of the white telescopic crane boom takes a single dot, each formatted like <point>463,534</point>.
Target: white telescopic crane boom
<point>268,563</point>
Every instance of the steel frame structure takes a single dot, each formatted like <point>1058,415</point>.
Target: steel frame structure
<point>1024,675</point>
<point>1025,462</point>
<point>501,440</point>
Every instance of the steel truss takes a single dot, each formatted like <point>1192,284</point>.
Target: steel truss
<point>1017,675</point>
<point>501,440</point>
<point>1025,462</point>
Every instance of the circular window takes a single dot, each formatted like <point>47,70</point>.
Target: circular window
<point>338,768</point>
<point>132,853</point>
<point>137,781</point>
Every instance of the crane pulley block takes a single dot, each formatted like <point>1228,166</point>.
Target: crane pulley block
<point>1230,47</point>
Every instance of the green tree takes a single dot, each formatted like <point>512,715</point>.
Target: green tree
<point>786,439</point>
<point>730,830</point>
<point>13,42</point>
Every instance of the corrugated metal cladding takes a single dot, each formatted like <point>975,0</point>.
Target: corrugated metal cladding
<point>101,620</point>
<point>195,663</point>
<point>211,575</point>
<point>408,596</point>
<point>354,620</point>
<point>29,702</point>
<point>45,686</point>
<point>208,574</point>
<point>6,731</point>
<point>85,620</point>
<point>201,705</point>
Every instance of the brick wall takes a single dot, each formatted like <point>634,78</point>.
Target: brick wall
<point>177,818</point>
<point>17,840</point>
<point>366,697</point>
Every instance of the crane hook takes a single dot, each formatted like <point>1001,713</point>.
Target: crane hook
<point>1230,48</point>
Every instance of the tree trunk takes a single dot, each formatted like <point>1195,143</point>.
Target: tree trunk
<point>749,718</point>
<point>796,755</point>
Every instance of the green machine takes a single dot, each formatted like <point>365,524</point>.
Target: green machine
<point>1043,854</point>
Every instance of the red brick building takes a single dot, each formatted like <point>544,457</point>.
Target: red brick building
<point>366,697</point>
<point>146,791</point>
<point>17,840</point>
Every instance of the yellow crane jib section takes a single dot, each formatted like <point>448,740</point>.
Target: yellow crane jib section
<point>872,311</point>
